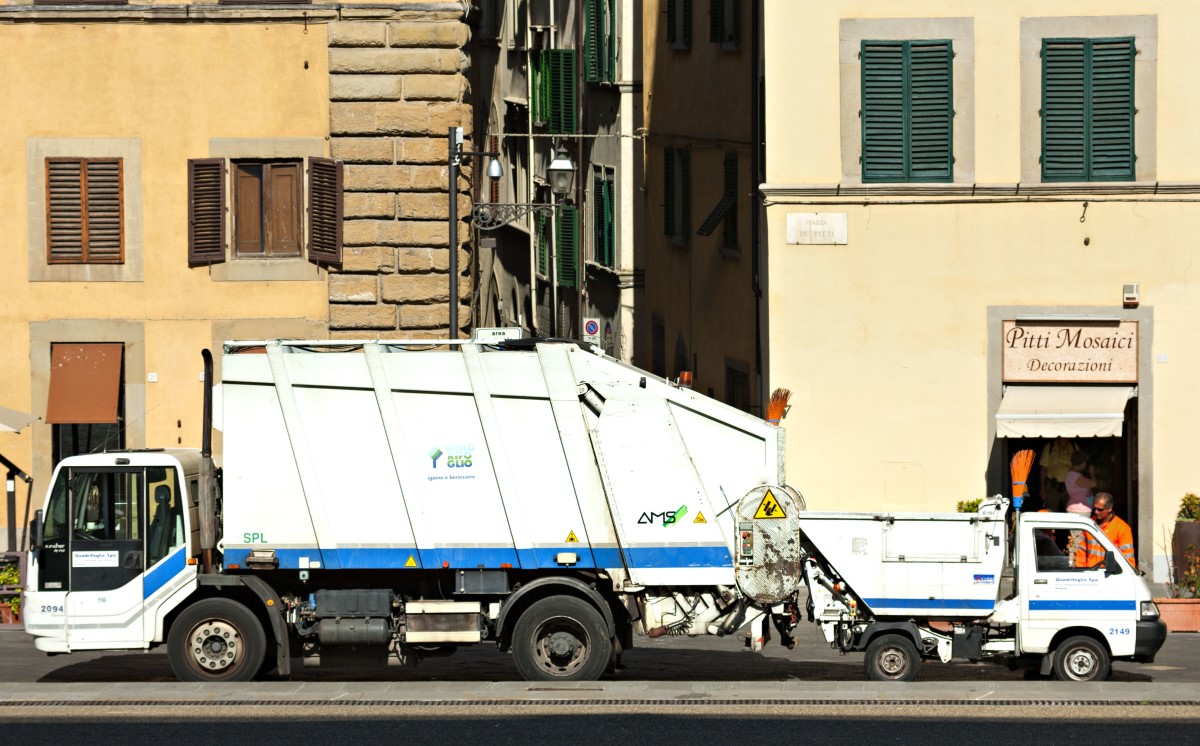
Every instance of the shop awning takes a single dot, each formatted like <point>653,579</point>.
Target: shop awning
<point>1062,411</point>
<point>85,384</point>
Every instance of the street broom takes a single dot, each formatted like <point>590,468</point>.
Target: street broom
<point>778,405</point>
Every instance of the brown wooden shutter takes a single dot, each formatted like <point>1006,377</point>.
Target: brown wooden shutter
<point>64,211</point>
<point>105,237</point>
<point>281,204</point>
<point>206,211</point>
<point>325,211</point>
<point>83,211</point>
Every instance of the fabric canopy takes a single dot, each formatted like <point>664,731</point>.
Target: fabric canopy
<point>85,383</point>
<point>1062,411</point>
<point>12,421</point>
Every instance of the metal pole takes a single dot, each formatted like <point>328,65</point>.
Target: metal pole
<point>553,268</point>
<point>452,170</point>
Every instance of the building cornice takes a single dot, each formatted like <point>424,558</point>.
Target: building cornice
<point>183,13</point>
<point>1015,192</point>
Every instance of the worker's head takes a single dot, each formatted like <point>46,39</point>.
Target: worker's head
<point>1102,507</point>
<point>1079,458</point>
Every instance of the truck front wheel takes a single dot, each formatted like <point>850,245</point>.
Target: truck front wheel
<point>561,638</point>
<point>216,640</point>
<point>892,658</point>
<point>1081,659</point>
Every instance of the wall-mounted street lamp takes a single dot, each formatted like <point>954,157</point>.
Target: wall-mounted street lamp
<point>495,171</point>
<point>490,216</point>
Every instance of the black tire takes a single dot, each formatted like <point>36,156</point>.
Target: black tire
<point>216,640</point>
<point>561,638</point>
<point>892,658</point>
<point>1081,659</point>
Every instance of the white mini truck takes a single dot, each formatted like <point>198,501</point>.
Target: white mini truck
<point>408,498</point>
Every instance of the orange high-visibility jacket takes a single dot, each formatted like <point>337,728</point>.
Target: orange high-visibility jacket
<point>1090,553</point>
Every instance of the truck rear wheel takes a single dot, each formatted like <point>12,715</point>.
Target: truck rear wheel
<point>892,658</point>
<point>1081,659</point>
<point>561,638</point>
<point>216,640</point>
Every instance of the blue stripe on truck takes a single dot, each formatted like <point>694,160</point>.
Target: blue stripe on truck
<point>163,572</point>
<point>490,557</point>
<point>929,603</point>
<point>1106,605</point>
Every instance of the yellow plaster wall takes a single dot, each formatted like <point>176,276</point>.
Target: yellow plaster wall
<point>174,87</point>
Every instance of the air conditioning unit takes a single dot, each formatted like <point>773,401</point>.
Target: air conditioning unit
<point>1130,295</point>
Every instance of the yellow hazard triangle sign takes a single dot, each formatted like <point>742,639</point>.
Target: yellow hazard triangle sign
<point>572,538</point>
<point>769,507</point>
<point>412,562</point>
<point>699,518</point>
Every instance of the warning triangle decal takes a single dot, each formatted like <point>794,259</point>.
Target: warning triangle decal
<point>412,562</point>
<point>769,508</point>
<point>699,518</point>
<point>572,538</point>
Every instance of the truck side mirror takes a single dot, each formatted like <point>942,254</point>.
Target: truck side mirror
<point>35,531</point>
<point>1111,566</point>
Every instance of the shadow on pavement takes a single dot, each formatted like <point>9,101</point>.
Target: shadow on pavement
<point>482,664</point>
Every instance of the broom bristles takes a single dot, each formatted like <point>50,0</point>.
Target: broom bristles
<point>778,404</point>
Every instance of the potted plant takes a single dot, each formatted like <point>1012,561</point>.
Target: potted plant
<point>1181,611</point>
<point>10,593</point>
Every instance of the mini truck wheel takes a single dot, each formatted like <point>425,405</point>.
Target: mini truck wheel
<point>892,658</point>
<point>216,640</point>
<point>1081,659</point>
<point>561,638</point>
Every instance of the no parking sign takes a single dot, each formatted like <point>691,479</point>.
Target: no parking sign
<point>591,331</point>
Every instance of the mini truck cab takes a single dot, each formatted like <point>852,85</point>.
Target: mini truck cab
<point>112,559</point>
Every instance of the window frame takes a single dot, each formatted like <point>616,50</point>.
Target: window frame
<point>679,24</point>
<point>677,194</point>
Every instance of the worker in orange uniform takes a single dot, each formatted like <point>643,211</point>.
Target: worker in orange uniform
<point>1090,553</point>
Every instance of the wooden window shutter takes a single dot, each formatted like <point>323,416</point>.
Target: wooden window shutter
<point>672,10</point>
<point>610,41</point>
<point>593,13</point>
<point>494,184</point>
<point>907,111</point>
<point>566,237</point>
<point>668,191</point>
<point>728,199</point>
<point>1110,129</point>
<point>597,215</point>
<point>1064,110</point>
<point>325,211</point>
<point>716,21</point>
<point>685,177</point>
<point>687,22</point>
<point>249,230</point>
<point>731,193</point>
<point>930,100</point>
<point>84,208</point>
<point>206,211</point>
<point>64,211</point>
<point>610,229</point>
<point>562,91</point>
<point>543,250</point>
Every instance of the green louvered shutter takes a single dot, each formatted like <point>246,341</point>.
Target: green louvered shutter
<point>716,18</point>
<point>685,175</point>
<point>668,191</point>
<point>1112,110</point>
<point>543,254</point>
<point>883,105</point>
<point>672,9</point>
<point>907,111</point>
<point>566,230</point>
<point>610,41</point>
<point>687,22</point>
<point>1064,110</point>
<point>561,80</point>
<point>930,111</point>
<point>593,13</point>
<point>610,228</point>
<point>598,215</point>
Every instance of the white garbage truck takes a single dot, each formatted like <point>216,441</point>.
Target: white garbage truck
<point>384,498</point>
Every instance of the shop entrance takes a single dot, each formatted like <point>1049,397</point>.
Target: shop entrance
<point>1113,459</point>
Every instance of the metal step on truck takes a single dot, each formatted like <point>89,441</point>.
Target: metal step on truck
<point>386,498</point>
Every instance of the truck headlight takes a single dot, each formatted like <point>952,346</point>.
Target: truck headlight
<point>1149,611</point>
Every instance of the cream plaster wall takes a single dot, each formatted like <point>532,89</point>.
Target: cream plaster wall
<point>174,89</point>
<point>884,341</point>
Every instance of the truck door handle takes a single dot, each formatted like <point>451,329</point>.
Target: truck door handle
<point>1039,581</point>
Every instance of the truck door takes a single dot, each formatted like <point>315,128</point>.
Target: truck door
<point>1060,590</point>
